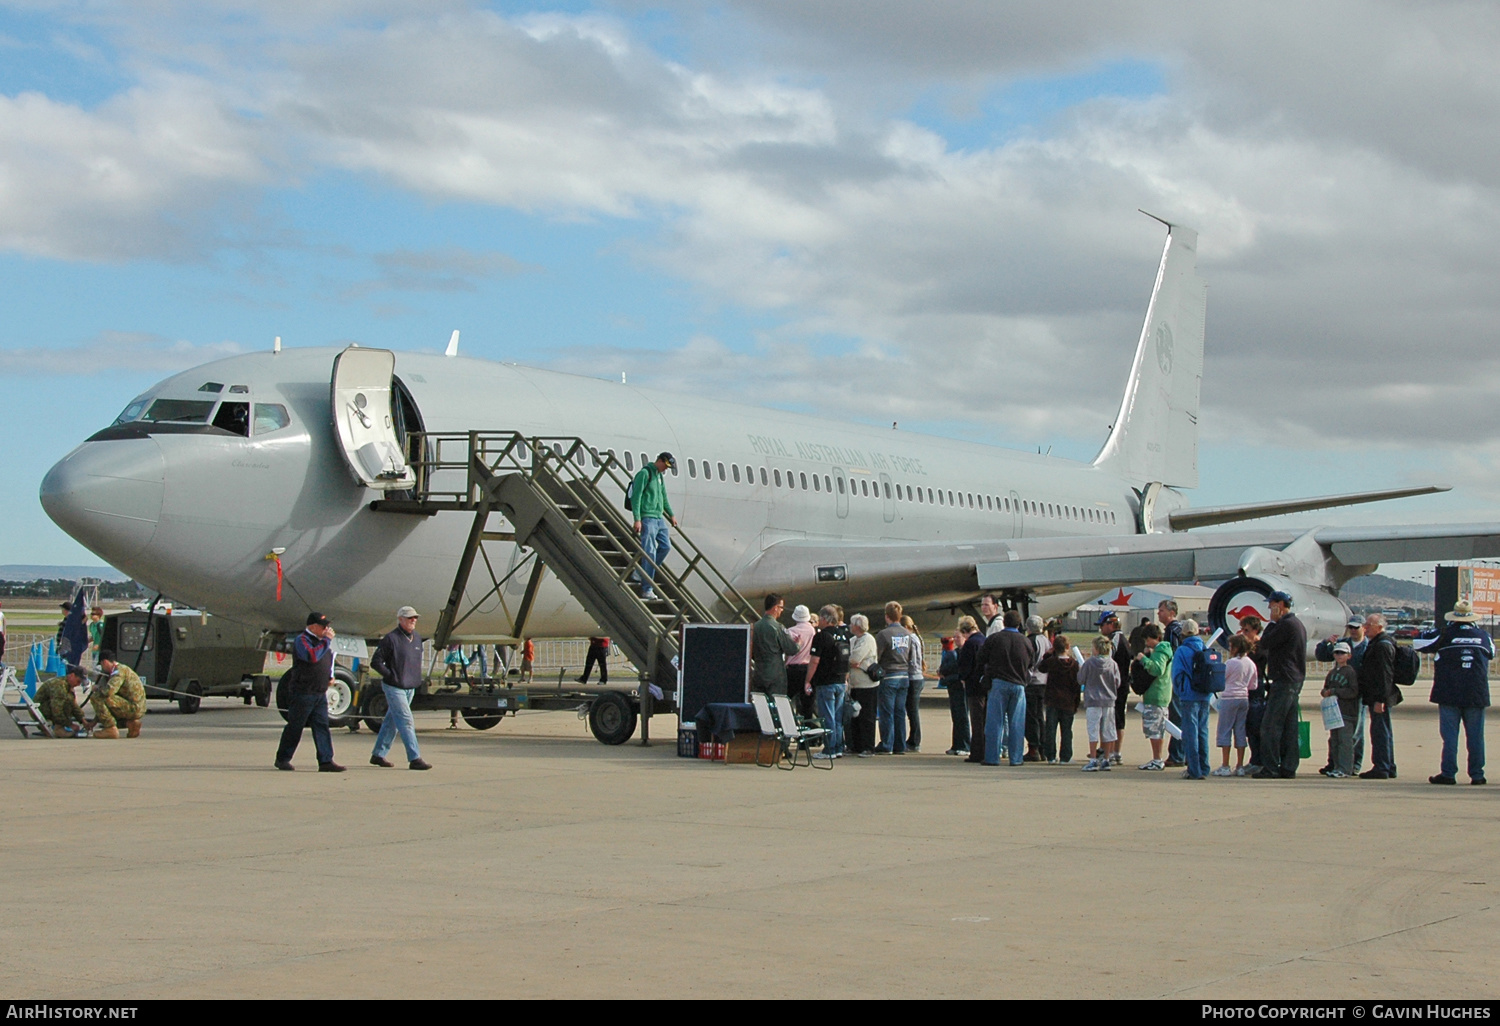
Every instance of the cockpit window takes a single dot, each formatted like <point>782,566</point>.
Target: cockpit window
<point>270,417</point>
<point>211,386</point>
<point>239,389</point>
<point>132,412</point>
<point>234,417</point>
<point>180,411</point>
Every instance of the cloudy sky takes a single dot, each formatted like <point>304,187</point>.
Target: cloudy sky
<point>749,199</point>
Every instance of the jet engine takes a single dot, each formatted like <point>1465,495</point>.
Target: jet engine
<point>1321,612</point>
<point>1304,570</point>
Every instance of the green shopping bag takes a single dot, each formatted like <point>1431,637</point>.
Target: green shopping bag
<point>1304,734</point>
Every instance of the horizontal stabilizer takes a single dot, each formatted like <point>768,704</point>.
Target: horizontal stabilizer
<point>1208,516</point>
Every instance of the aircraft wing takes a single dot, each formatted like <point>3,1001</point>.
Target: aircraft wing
<point>875,571</point>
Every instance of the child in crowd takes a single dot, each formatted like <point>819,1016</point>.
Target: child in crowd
<point>1060,700</point>
<point>1343,684</point>
<point>1155,658</point>
<point>1240,678</point>
<point>1100,678</point>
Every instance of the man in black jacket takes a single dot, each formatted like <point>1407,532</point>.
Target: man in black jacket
<point>1285,646</point>
<point>398,660</point>
<point>311,677</point>
<point>1377,690</point>
<point>1008,659</point>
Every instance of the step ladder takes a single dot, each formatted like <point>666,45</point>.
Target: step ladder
<point>23,712</point>
<point>563,500</point>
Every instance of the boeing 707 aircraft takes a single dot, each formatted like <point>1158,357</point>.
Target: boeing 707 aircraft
<point>210,471</point>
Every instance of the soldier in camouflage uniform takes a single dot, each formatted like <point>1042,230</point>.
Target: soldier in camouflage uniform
<point>55,699</point>
<point>121,699</point>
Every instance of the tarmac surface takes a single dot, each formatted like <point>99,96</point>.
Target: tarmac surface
<point>535,862</point>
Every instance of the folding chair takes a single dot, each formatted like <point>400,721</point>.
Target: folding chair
<point>800,738</point>
<point>771,732</point>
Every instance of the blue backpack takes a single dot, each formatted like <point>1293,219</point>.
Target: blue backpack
<point>1208,672</point>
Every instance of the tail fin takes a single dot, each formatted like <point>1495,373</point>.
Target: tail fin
<point>1155,435</point>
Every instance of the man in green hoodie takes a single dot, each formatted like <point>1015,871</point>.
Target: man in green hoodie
<point>652,511</point>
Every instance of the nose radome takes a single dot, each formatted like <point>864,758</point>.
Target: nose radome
<point>108,495</point>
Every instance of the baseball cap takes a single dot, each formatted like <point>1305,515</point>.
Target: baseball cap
<point>668,459</point>
<point>1105,617</point>
<point>1342,647</point>
<point>1355,621</point>
<point>317,618</point>
<point>1280,596</point>
<point>406,611</point>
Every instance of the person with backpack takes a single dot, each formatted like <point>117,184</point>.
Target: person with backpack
<point>1151,678</point>
<point>827,668</point>
<point>1191,688</point>
<point>1461,654</point>
<point>1284,644</point>
<point>651,511</point>
<point>1377,690</point>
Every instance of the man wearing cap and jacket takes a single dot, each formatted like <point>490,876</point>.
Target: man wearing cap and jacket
<point>1284,644</point>
<point>1461,654</point>
<point>398,660</point>
<point>309,679</point>
<point>652,511</point>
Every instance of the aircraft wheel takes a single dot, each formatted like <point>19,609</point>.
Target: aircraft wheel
<point>612,718</point>
<point>262,690</point>
<point>340,697</point>
<point>481,719</point>
<point>341,700</point>
<point>284,694</point>
<point>192,698</point>
<point>374,709</point>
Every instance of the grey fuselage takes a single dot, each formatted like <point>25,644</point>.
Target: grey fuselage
<point>194,514</point>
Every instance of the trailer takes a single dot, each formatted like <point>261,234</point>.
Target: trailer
<point>183,656</point>
<point>612,713</point>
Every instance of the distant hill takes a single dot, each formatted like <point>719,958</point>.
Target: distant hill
<point>25,572</point>
<point>1373,589</point>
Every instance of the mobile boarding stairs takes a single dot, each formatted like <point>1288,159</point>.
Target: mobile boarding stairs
<point>562,500</point>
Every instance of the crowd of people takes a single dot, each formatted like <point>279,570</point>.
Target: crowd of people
<point>1015,686</point>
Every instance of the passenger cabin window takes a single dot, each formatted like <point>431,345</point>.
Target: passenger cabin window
<point>692,468</point>
<point>887,489</point>
<point>270,417</point>
<point>180,411</point>
<point>234,417</point>
<point>804,480</point>
<point>735,467</point>
<point>840,484</point>
<point>776,476</point>
<point>722,476</point>
<point>864,487</point>
<point>628,464</point>
<point>644,461</point>
<point>763,478</point>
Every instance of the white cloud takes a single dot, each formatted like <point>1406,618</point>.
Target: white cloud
<point>1339,164</point>
<point>111,352</point>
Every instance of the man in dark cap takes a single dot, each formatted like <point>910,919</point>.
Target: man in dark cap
<point>1284,645</point>
<point>311,677</point>
<point>652,511</point>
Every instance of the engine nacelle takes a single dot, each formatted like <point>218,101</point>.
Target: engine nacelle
<point>1321,611</point>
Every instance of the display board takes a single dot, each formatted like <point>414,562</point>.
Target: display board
<point>714,667</point>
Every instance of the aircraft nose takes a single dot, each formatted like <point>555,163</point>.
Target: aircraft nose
<point>108,495</point>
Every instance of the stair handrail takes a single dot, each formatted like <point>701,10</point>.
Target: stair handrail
<point>501,450</point>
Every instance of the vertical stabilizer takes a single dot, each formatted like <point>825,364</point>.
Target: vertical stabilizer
<point>1155,434</point>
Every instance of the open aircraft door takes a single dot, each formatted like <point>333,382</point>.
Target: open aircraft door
<point>363,419</point>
